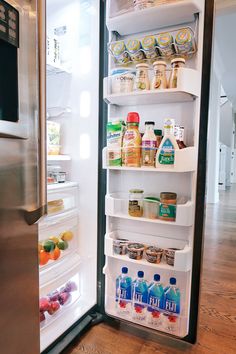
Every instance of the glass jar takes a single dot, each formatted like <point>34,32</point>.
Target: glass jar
<point>149,46</point>
<point>159,80</point>
<point>185,41</point>
<point>175,65</point>
<point>167,209</point>
<point>142,77</point>
<point>136,202</point>
<point>165,44</point>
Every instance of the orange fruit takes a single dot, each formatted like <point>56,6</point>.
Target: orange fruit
<point>43,257</point>
<point>55,254</point>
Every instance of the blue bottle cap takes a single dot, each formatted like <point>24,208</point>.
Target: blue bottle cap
<point>140,274</point>
<point>172,281</point>
<point>124,270</point>
<point>156,277</point>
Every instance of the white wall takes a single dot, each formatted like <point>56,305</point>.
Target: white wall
<point>226,124</point>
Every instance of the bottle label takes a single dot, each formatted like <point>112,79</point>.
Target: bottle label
<point>148,152</point>
<point>154,303</point>
<point>167,153</point>
<point>172,306</point>
<point>167,211</point>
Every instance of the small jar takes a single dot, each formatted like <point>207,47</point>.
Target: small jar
<point>154,254</point>
<point>118,49</point>
<point>135,52</point>
<point>168,203</point>
<point>185,41</point>
<point>120,247</point>
<point>170,256</point>
<point>135,251</point>
<point>175,65</point>
<point>158,133</point>
<point>159,80</point>
<point>136,202</point>
<point>151,207</point>
<point>165,44</point>
<point>142,77</point>
<point>149,46</point>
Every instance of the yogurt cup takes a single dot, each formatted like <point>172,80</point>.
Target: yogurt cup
<point>120,247</point>
<point>135,250</point>
<point>170,256</point>
<point>118,49</point>
<point>122,81</point>
<point>149,46</point>
<point>135,50</point>
<point>165,44</point>
<point>143,4</point>
<point>154,254</point>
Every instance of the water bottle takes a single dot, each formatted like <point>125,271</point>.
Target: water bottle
<point>139,297</point>
<point>123,292</point>
<point>172,305</point>
<point>155,302</point>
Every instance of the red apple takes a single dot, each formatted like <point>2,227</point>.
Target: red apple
<point>64,297</point>
<point>54,306</point>
<point>41,316</point>
<point>44,304</point>
<point>54,295</point>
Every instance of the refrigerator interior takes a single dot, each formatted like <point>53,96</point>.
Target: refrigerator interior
<point>72,101</point>
<point>181,179</point>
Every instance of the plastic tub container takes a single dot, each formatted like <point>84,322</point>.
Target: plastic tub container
<point>120,247</point>
<point>154,254</point>
<point>122,81</point>
<point>135,250</point>
<point>151,207</point>
<point>170,256</point>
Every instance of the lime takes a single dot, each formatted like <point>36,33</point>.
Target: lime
<point>48,245</point>
<point>62,245</point>
<point>67,235</point>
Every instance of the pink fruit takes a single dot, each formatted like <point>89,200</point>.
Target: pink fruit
<point>44,304</point>
<point>54,296</point>
<point>70,286</point>
<point>64,297</point>
<point>54,306</point>
<point>41,316</point>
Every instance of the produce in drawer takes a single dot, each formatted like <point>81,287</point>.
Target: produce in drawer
<point>55,206</point>
<point>64,298</point>
<point>54,306</point>
<point>44,304</point>
<point>53,248</point>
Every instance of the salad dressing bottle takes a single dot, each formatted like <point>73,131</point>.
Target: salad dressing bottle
<point>149,143</point>
<point>166,152</point>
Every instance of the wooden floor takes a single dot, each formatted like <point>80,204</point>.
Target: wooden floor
<point>217,327</point>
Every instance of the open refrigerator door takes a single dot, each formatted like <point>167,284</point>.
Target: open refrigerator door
<point>153,92</point>
<point>68,234</point>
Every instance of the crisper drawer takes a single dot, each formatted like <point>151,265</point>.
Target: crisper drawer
<point>58,238</point>
<point>61,200</point>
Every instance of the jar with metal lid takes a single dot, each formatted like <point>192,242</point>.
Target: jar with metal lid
<point>175,64</point>
<point>136,202</point>
<point>168,201</point>
<point>142,77</point>
<point>159,80</point>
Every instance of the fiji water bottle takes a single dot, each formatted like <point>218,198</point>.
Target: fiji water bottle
<point>155,301</point>
<point>123,292</point>
<point>172,305</point>
<point>139,297</point>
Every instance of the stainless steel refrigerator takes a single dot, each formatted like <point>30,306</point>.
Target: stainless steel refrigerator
<point>62,64</point>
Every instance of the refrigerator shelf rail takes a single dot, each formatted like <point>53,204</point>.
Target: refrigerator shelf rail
<point>126,20</point>
<point>117,205</point>
<point>185,161</point>
<point>182,254</point>
<point>53,69</point>
<point>59,158</point>
<point>118,93</point>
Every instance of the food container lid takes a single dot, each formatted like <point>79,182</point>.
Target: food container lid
<point>133,45</point>
<point>156,277</point>
<point>136,191</point>
<point>176,60</point>
<point>152,200</point>
<point>168,195</point>
<point>149,123</point>
<point>153,249</point>
<point>141,65</point>
<point>121,71</point>
<point>136,246</point>
<point>165,39</point>
<point>183,36</point>
<point>148,42</point>
<point>158,132</point>
<point>133,117</point>
<point>159,62</point>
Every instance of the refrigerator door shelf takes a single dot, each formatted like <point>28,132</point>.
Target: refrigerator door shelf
<point>188,88</point>
<point>62,200</point>
<point>51,278</point>
<point>182,257</point>
<point>185,161</point>
<point>125,20</point>
<point>117,205</point>
<point>58,158</point>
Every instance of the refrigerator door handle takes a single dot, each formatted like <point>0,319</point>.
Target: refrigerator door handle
<point>42,172</point>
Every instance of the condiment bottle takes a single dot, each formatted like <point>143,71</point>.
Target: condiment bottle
<point>158,134</point>
<point>136,202</point>
<point>181,138</point>
<point>142,77</point>
<point>131,155</point>
<point>167,209</point>
<point>166,153</point>
<point>159,80</point>
<point>149,143</point>
<point>175,64</point>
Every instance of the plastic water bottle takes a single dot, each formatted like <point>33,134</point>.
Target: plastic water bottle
<point>172,305</point>
<point>139,296</point>
<point>124,292</point>
<point>156,298</point>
